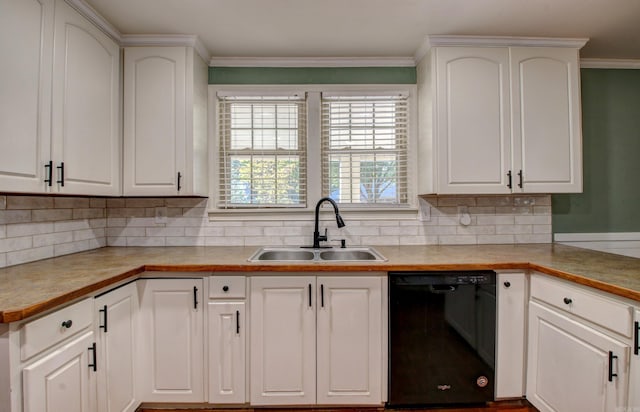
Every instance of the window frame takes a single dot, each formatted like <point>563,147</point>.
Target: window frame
<point>407,211</point>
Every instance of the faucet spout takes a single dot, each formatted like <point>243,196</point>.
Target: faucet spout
<point>317,237</point>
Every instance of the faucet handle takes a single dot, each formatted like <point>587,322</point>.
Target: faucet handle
<point>323,238</point>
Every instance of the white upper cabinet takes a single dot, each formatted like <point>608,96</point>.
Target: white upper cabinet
<point>86,106</point>
<point>60,102</point>
<point>165,100</point>
<point>26,45</point>
<point>547,132</point>
<point>500,119</point>
<point>474,136</point>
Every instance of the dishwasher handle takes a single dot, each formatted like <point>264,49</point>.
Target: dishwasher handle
<point>442,289</point>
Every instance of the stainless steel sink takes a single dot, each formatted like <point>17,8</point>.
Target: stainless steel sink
<point>283,254</point>
<point>293,254</point>
<point>348,254</point>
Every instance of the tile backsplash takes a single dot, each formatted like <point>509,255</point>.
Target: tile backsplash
<point>38,227</point>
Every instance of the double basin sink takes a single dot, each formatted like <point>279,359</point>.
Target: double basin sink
<point>351,254</point>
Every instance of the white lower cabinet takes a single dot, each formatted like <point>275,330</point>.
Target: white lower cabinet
<point>63,380</point>
<point>510,353</point>
<point>116,313</point>
<point>170,348</point>
<point>573,367</point>
<point>349,345</point>
<point>283,339</point>
<point>334,359</point>
<point>227,331</point>
<point>227,339</point>
<point>634,371</point>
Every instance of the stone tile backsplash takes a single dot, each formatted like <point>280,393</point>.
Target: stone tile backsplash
<point>38,227</point>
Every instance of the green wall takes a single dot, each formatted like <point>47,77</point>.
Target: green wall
<point>312,75</point>
<point>611,149</point>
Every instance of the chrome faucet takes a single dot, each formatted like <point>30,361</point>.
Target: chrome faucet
<point>317,237</point>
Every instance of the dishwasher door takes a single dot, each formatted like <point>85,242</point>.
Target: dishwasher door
<point>441,338</point>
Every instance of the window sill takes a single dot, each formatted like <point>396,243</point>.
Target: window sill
<point>307,214</point>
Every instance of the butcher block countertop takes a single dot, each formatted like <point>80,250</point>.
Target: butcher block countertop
<point>33,288</point>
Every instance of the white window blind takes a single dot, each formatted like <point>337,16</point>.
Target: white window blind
<point>262,151</point>
<point>364,149</point>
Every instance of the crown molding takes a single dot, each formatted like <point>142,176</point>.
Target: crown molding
<point>496,41</point>
<point>610,63</point>
<point>185,40</point>
<point>96,18</point>
<point>312,62</point>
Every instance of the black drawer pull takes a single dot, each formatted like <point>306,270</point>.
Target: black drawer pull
<point>61,168</point>
<point>93,365</point>
<point>104,318</point>
<point>237,322</point>
<point>67,324</point>
<point>567,301</point>
<point>48,167</point>
<point>636,337</point>
<point>611,374</point>
<point>507,284</point>
<point>225,288</point>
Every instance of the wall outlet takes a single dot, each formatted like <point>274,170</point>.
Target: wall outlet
<point>464,218</point>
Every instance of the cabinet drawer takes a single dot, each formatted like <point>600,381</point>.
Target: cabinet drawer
<point>55,327</point>
<point>221,287</point>
<point>601,310</point>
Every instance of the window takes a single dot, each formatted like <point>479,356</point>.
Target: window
<point>364,149</point>
<point>262,151</point>
<point>279,149</point>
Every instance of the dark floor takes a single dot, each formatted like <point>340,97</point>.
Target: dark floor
<point>511,406</point>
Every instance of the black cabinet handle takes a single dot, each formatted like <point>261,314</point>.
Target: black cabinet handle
<point>611,374</point>
<point>567,301</point>
<point>520,175</point>
<point>237,322</point>
<point>322,296</point>
<point>67,324</point>
<point>195,297</point>
<point>309,294</point>
<point>507,284</point>
<point>509,185</point>
<point>48,170</point>
<point>104,318</point>
<point>636,338</point>
<point>225,288</point>
<point>179,181</point>
<point>61,168</point>
<point>93,365</point>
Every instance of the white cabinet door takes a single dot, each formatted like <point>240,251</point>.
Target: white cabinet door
<point>349,358</point>
<point>472,120</point>
<point>116,313</point>
<point>634,373</point>
<point>170,341</point>
<point>547,135</point>
<point>283,339</point>
<point>227,336</point>
<point>571,366</point>
<point>85,107</point>
<point>26,45</point>
<point>62,380</point>
<point>510,346</point>
<point>154,119</point>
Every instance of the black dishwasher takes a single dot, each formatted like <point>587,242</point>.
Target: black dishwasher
<point>441,338</point>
